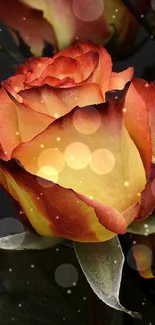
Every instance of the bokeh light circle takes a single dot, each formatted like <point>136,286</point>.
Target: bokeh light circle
<point>11,226</point>
<point>88,10</point>
<point>102,161</point>
<point>87,120</point>
<point>143,256</point>
<point>77,155</point>
<point>47,176</point>
<point>66,275</point>
<point>52,157</point>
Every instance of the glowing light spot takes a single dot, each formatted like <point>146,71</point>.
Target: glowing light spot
<point>113,16</point>
<point>124,110</point>
<point>87,120</point>
<point>126,183</point>
<point>145,226</point>
<point>81,154</point>
<point>58,139</point>
<point>17,133</point>
<point>90,197</point>
<point>47,173</point>
<point>16,89</point>
<point>88,10</point>
<point>56,115</point>
<point>102,161</point>
<point>42,146</point>
<point>52,157</point>
<point>138,194</point>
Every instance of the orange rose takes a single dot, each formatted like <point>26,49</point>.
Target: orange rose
<point>75,156</point>
<point>97,20</point>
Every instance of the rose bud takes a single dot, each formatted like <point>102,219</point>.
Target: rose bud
<point>101,21</point>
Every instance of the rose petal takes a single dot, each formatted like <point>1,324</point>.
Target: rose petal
<point>8,126</point>
<point>120,177</point>
<point>64,216</point>
<point>104,66</point>
<point>88,62</point>
<point>59,101</point>
<point>29,21</point>
<point>33,68</point>
<point>137,121</point>
<point>147,93</point>
<point>16,123</point>
<point>63,67</point>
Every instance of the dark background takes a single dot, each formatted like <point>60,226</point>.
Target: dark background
<point>28,291</point>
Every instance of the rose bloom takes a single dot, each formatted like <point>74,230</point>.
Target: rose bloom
<point>101,21</point>
<point>76,144</point>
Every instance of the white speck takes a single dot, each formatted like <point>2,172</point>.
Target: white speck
<point>113,16</point>
<point>145,226</point>
<point>19,305</point>
<point>10,270</point>
<point>143,303</point>
<point>115,262</point>
<point>69,292</point>
<point>32,266</point>
<point>79,311</point>
<point>24,18</point>
<point>134,242</point>
<point>57,217</point>
<point>57,249</point>
<point>84,298</point>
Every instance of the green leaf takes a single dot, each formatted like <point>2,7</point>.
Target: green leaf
<point>27,240</point>
<point>102,264</point>
<point>143,227</point>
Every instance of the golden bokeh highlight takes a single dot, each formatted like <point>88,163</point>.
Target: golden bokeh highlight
<point>88,10</point>
<point>52,157</point>
<point>83,123</point>
<point>77,155</point>
<point>102,161</point>
<point>47,173</point>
